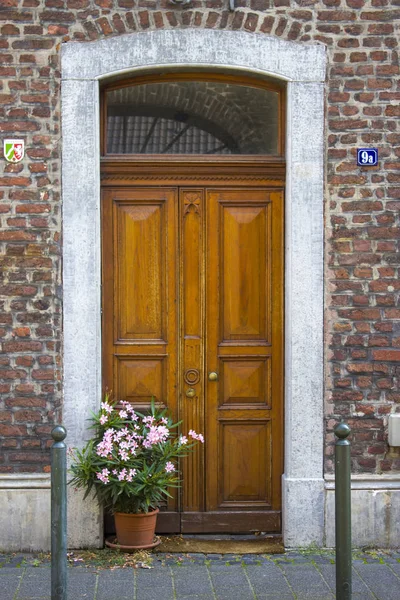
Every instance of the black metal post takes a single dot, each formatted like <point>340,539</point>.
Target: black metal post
<point>59,514</point>
<point>343,512</point>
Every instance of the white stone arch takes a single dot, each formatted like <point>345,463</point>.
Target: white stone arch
<point>84,65</point>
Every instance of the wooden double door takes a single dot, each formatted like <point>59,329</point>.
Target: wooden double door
<point>193,316</point>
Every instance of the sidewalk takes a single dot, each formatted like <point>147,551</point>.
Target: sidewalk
<point>289,576</point>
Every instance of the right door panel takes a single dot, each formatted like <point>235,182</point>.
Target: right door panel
<point>244,324</point>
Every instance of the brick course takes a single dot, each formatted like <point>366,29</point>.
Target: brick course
<point>361,210</point>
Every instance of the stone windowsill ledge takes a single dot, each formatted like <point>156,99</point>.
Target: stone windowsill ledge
<point>25,481</point>
<point>368,482</point>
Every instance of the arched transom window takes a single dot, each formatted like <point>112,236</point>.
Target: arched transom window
<point>187,116</point>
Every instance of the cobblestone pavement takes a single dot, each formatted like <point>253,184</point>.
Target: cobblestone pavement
<point>293,575</point>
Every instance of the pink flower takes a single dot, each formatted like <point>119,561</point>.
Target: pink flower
<point>104,476</point>
<point>196,436</point>
<point>164,431</point>
<point>123,414</point>
<point>164,420</point>
<point>157,434</point>
<point>183,440</point>
<point>129,408</point>
<point>104,448</point>
<point>169,467</point>
<point>148,420</point>
<point>122,475</point>
<point>103,419</point>
<point>123,454</point>
<point>130,475</point>
<point>105,406</point>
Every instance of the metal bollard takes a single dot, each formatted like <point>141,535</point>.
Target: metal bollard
<point>343,512</point>
<point>59,514</point>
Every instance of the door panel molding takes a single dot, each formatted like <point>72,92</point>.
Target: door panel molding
<point>192,307</point>
<point>236,522</point>
<point>189,171</point>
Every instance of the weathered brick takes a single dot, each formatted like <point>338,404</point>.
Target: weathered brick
<point>386,355</point>
<point>12,430</point>
<point>22,346</point>
<point>25,416</point>
<point>362,203</point>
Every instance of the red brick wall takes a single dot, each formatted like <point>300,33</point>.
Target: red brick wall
<point>362,205</point>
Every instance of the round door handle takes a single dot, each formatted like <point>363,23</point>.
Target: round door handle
<point>213,376</point>
<point>190,392</point>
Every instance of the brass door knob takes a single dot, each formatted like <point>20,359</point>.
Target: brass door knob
<point>213,376</point>
<point>190,392</point>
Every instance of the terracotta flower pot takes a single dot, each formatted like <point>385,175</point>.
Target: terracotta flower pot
<point>136,530</point>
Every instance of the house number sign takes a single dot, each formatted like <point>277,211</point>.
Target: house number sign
<point>367,157</point>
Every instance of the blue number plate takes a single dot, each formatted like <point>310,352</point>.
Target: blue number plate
<point>367,157</point>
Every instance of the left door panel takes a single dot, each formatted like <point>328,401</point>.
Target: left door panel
<point>139,301</point>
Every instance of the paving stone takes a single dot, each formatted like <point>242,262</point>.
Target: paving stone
<point>36,583</point>
<point>9,585</point>
<point>11,571</point>
<point>235,593</point>
<point>306,582</point>
<point>17,560</point>
<point>224,579</point>
<point>196,597</point>
<point>268,579</point>
<point>250,559</point>
<point>191,580</point>
<point>116,585</point>
<point>395,566</point>
<point>275,597</point>
<point>149,578</point>
<point>358,586</point>
<point>324,559</point>
<point>396,555</point>
<point>381,581</point>
<point>390,559</point>
<point>81,583</point>
<point>30,597</point>
<point>154,593</point>
<point>154,583</point>
<point>223,567</point>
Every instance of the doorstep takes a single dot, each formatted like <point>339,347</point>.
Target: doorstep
<point>221,544</point>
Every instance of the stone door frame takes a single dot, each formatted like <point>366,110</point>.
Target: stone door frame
<point>84,65</point>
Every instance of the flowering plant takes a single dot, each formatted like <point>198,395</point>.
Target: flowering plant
<point>132,460</point>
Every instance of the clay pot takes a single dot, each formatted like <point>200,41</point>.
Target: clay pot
<point>136,530</point>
